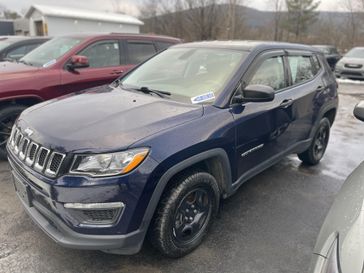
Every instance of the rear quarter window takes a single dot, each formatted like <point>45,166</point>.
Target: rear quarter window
<point>302,68</point>
<point>316,64</point>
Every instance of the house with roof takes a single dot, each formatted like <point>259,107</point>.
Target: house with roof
<point>54,21</point>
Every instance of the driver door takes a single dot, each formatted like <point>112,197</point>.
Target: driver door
<point>106,59</point>
<point>260,126</point>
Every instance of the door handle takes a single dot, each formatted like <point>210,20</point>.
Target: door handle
<point>286,103</point>
<point>117,72</point>
<point>320,88</point>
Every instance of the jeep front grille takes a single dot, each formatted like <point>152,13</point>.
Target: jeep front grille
<point>34,155</point>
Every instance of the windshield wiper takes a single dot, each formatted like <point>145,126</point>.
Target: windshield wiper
<point>25,62</point>
<point>147,90</point>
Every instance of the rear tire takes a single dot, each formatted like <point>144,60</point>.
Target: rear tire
<point>184,214</point>
<point>8,116</point>
<point>314,154</point>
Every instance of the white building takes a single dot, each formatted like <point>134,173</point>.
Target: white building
<point>53,21</point>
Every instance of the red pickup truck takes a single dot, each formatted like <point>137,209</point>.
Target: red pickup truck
<point>68,64</point>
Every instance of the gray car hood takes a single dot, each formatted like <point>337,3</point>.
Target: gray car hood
<point>348,60</point>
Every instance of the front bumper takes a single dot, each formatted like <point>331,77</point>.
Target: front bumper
<point>46,208</point>
<point>121,244</point>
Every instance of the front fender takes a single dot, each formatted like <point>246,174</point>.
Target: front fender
<point>167,175</point>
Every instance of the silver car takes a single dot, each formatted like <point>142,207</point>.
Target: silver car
<point>340,244</point>
<point>351,66</point>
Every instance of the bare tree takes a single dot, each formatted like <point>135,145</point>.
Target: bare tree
<point>124,6</point>
<point>352,21</point>
<point>278,18</point>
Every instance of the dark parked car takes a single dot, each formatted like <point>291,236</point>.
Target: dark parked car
<point>13,48</point>
<point>68,64</point>
<point>158,148</point>
<point>340,244</point>
<point>351,66</point>
<point>331,53</point>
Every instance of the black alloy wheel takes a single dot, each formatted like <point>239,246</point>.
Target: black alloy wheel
<point>317,149</point>
<point>186,210</point>
<point>191,216</point>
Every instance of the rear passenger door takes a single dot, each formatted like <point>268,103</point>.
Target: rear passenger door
<point>306,86</point>
<point>107,62</point>
<point>138,51</point>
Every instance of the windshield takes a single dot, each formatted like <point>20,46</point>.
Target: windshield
<point>356,53</point>
<point>194,75</point>
<point>49,52</point>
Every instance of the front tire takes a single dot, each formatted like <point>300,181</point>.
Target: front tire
<point>184,214</point>
<point>314,154</point>
<point>8,116</point>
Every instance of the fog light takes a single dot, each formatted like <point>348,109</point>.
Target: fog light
<point>95,214</point>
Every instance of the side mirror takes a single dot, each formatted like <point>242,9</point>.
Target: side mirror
<point>359,111</point>
<point>255,93</point>
<point>77,62</point>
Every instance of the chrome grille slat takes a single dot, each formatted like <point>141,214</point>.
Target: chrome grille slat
<point>23,146</point>
<point>41,160</point>
<point>18,139</point>
<point>54,164</point>
<point>12,137</point>
<point>37,157</point>
<point>31,154</point>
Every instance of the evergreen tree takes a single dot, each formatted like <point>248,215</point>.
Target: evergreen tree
<point>301,14</point>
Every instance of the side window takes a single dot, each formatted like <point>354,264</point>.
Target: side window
<point>103,54</point>
<point>301,68</point>
<point>139,51</point>
<point>270,73</point>
<point>17,53</point>
<point>31,47</point>
<point>162,45</point>
<point>316,64</point>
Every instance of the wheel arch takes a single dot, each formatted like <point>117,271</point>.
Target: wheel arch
<point>328,112</point>
<point>215,161</point>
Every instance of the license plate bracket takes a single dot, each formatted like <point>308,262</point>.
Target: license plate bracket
<point>23,191</point>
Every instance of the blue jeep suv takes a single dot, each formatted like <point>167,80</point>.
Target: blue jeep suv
<point>152,154</point>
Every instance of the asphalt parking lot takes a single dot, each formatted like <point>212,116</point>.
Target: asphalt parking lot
<point>269,225</point>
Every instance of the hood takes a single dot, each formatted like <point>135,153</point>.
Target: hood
<point>346,218</point>
<point>12,70</point>
<point>347,60</point>
<point>103,119</point>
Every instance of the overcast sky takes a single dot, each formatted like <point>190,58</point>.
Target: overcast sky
<point>132,5</point>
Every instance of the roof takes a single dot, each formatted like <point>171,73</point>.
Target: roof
<point>137,36</point>
<point>249,45</point>
<point>66,12</point>
<point>22,38</point>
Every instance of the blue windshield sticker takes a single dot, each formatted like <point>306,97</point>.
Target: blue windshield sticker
<point>50,63</point>
<point>203,98</point>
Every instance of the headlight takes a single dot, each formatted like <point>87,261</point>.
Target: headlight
<point>109,164</point>
<point>331,264</point>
